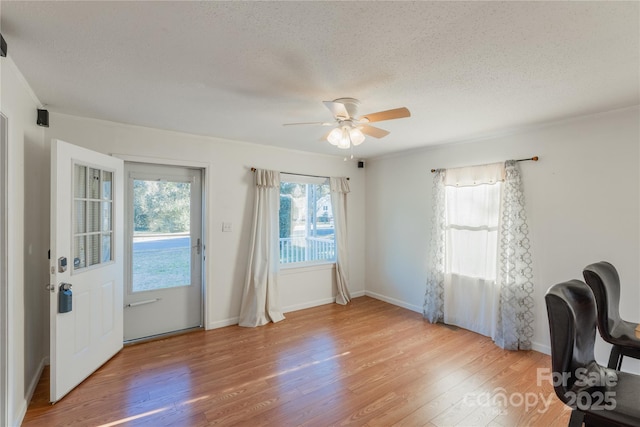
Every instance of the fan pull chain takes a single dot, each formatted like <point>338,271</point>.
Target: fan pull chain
<point>351,149</point>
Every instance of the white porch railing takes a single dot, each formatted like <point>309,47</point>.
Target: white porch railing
<point>302,249</point>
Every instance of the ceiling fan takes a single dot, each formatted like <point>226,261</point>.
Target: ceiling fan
<point>349,128</point>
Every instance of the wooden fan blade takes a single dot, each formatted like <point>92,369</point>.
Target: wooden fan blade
<point>309,123</point>
<point>396,113</point>
<point>338,109</point>
<point>373,131</point>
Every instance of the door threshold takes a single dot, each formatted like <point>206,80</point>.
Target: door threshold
<point>162,336</point>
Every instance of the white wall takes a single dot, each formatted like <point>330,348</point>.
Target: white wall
<point>230,199</point>
<point>582,199</point>
<point>27,238</point>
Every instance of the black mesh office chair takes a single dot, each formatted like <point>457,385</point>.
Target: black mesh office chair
<point>604,282</point>
<point>599,396</point>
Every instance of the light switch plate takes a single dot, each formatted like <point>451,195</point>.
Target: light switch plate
<point>226,226</point>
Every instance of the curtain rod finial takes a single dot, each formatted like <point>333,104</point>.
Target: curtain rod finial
<point>534,158</point>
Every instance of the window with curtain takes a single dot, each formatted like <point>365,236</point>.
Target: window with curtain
<point>472,211</point>
<point>307,234</point>
<point>480,270</point>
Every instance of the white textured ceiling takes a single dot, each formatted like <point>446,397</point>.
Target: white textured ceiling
<point>239,70</point>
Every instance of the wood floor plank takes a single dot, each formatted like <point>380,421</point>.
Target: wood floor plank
<point>365,364</point>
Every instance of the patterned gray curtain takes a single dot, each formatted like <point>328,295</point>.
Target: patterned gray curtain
<point>515,314</point>
<point>432,309</point>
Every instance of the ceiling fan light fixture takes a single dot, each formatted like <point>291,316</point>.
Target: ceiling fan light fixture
<point>356,135</point>
<point>352,130</point>
<point>344,141</point>
<point>334,136</point>
<point>340,137</point>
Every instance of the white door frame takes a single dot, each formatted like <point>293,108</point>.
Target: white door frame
<point>204,166</point>
<point>4,253</point>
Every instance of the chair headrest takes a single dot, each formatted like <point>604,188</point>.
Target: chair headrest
<point>602,277</point>
<point>572,324</point>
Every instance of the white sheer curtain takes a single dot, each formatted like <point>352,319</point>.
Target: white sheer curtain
<point>480,268</point>
<point>339,189</point>
<point>260,303</point>
<point>471,240</point>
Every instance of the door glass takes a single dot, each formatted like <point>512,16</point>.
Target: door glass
<point>93,207</point>
<point>107,178</point>
<point>161,235</point>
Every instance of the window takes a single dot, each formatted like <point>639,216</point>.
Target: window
<point>93,207</point>
<point>472,230</point>
<point>161,256</point>
<point>472,213</point>
<point>306,220</point>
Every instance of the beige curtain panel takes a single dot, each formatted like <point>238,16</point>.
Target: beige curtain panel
<point>339,189</point>
<point>260,297</point>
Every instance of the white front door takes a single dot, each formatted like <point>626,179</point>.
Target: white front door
<point>87,220</point>
<point>164,250</point>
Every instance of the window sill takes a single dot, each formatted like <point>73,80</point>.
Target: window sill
<point>305,267</point>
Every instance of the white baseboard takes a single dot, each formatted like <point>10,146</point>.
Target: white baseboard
<point>34,381</point>
<point>234,320</point>
<point>222,323</point>
<point>309,304</point>
<point>541,348</point>
<point>29,393</point>
<point>316,303</point>
<point>394,301</point>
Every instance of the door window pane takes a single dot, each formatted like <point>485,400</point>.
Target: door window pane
<point>80,181</point>
<point>80,209</point>
<point>92,216</point>
<point>94,183</point>
<point>93,246</point>
<point>79,260</point>
<point>106,216</point>
<point>106,247</point>
<point>107,178</point>
<point>161,238</point>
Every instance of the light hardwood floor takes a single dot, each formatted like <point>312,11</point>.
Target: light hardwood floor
<point>369,363</point>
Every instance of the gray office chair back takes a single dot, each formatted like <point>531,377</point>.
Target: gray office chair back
<point>572,326</point>
<point>598,396</point>
<point>603,279</point>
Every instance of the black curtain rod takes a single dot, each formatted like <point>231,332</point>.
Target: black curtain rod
<point>300,174</point>
<point>533,159</point>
